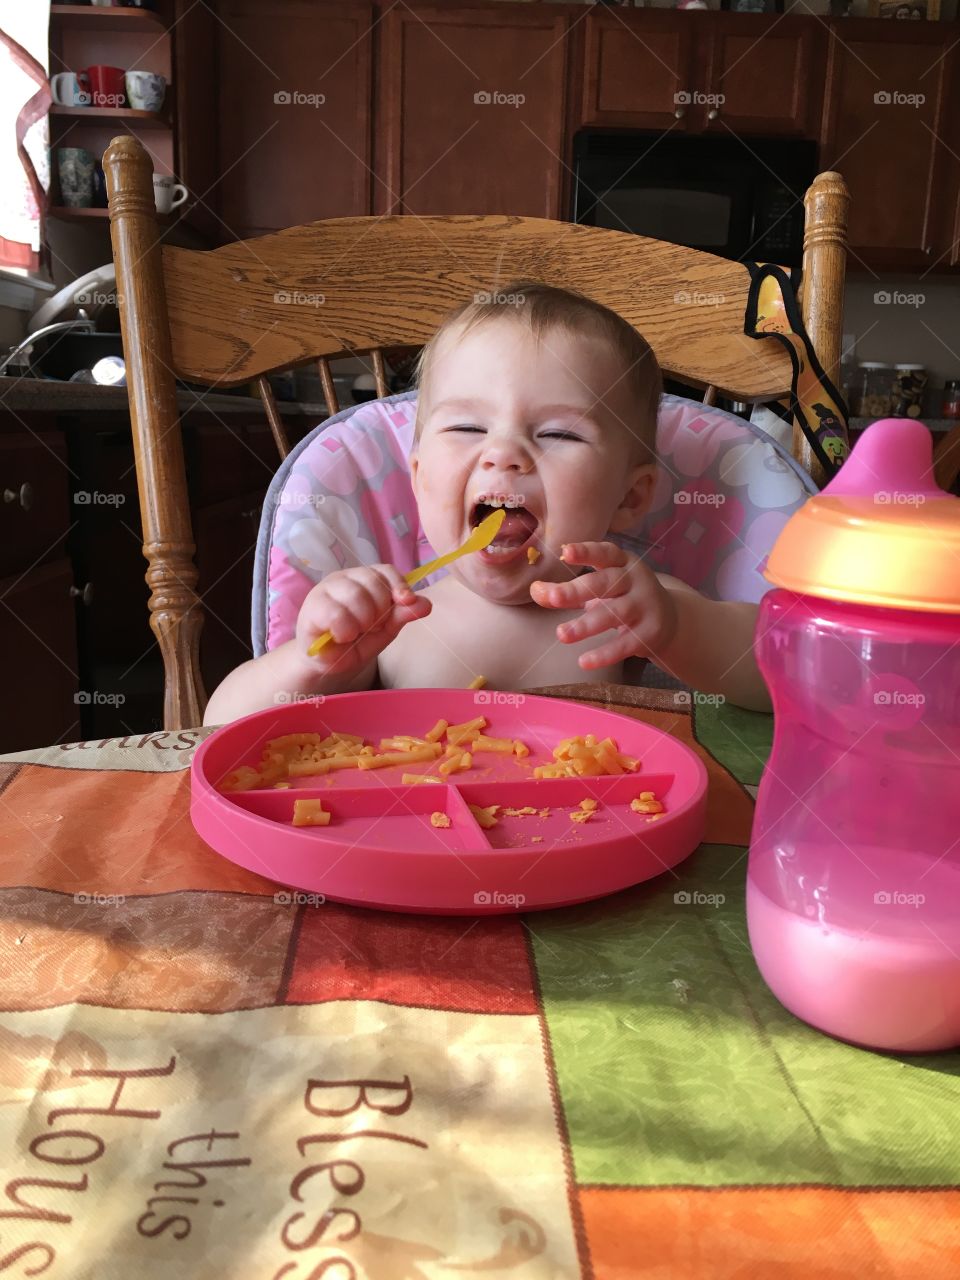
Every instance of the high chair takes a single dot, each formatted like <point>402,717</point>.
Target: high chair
<point>345,286</point>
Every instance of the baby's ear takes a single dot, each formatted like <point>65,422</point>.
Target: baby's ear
<point>637,498</point>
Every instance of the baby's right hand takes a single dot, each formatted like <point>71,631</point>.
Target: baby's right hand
<point>364,608</point>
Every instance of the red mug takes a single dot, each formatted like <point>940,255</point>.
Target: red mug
<point>106,86</point>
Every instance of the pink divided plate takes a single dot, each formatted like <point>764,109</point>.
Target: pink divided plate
<point>380,848</point>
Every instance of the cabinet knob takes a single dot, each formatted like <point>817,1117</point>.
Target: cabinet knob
<point>84,593</point>
<point>712,113</point>
<point>928,249</point>
<point>679,113</point>
<point>23,495</point>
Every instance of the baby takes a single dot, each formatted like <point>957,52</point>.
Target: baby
<point>544,402</point>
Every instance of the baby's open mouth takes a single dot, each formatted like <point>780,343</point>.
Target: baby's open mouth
<point>518,528</point>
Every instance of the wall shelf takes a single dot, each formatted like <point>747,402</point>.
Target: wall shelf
<point>110,19</point>
<point>146,119</point>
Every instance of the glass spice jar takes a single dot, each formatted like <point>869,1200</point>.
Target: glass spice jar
<point>950,408</point>
<point>875,388</point>
<point>909,382</point>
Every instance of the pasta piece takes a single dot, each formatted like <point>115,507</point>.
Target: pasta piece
<point>437,732</point>
<point>439,820</point>
<point>581,815</point>
<point>411,779</point>
<point>533,555</point>
<point>242,779</point>
<point>477,682</point>
<point>520,748</point>
<point>536,839</point>
<point>639,805</point>
<point>413,756</point>
<point>456,733</point>
<point>589,805</point>
<point>310,813</point>
<point>482,743</point>
<point>485,816</point>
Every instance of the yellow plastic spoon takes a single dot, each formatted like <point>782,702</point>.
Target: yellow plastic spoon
<point>482,536</point>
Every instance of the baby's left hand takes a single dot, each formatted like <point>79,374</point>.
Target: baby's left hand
<point>623,593</point>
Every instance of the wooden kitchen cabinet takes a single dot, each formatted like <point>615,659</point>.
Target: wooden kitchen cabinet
<point>670,69</point>
<point>471,109</point>
<point>882,125</point>
<point>293,113</point>
<point>640,67</point>
<point>767,73</point>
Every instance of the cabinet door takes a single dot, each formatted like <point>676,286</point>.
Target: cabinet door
<point>766,76</point>
<point>639,68</point>
<point>39,642</point>
<point>35,498</point>
<point>294,113</point>
<point>885,85</point>
<point>472,106</point>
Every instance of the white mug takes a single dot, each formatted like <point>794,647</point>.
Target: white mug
<point>168,194</point>
<point>70,89</point>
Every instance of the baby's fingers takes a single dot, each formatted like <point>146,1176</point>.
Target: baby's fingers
<point>599,555</point>
<point>580,591</point>
<point>599,616</point>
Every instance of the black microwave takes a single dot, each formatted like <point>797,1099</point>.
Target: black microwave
<point>736,197</point>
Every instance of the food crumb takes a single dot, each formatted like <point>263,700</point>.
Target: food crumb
<point>533,555</point>
<point>536,839</point>
<point>581,815</point>
<point>477,682</point>
<point>439,820</point>
<point>589,805</point>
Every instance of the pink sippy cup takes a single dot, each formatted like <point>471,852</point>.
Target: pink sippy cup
<point>853,885</point>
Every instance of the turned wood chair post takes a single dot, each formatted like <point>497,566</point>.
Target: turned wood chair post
<point>826,205</point>
<point>175,613</point>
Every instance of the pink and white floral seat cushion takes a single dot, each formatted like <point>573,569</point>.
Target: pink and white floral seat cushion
<point>342,497</point>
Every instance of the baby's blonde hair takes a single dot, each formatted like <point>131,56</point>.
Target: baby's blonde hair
<point>544,307</point>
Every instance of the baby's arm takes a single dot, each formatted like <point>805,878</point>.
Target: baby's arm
<point>712,646</point>
<point>364,608</point>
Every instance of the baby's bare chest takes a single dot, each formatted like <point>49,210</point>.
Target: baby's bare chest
<point>510,648</point>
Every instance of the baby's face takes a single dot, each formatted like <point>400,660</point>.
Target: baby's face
<point>546,429</point>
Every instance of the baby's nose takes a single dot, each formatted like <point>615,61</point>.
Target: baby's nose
<point>505,454</point>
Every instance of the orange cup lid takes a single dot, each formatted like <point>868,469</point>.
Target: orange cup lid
<point>882,532</point>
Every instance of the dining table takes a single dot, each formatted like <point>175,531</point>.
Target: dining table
<point>205,1074</point>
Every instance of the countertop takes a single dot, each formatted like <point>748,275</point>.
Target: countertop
<point>22,395</point>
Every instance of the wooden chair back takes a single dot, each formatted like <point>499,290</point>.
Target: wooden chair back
<point>346,286</point>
